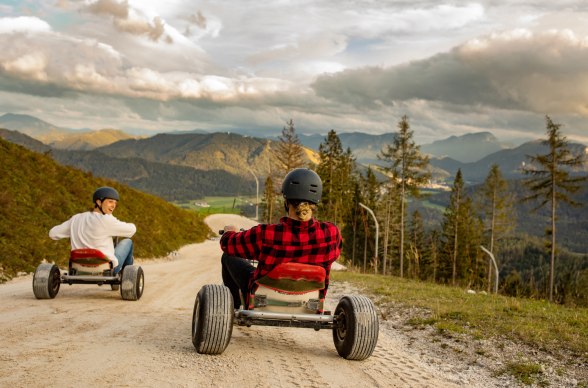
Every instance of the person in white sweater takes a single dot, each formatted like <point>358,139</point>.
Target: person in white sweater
<point>96,229</point>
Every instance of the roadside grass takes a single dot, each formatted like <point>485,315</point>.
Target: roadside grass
<point>528,373</point>
<point>538,323</point>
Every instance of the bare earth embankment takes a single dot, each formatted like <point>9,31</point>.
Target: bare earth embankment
<point>89,336</point>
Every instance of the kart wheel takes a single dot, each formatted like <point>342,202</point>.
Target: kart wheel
<point>212,319</point>
<point>132,282</point>
<point>46,281</point>
<point>114,287</point>
<point>355,332</point>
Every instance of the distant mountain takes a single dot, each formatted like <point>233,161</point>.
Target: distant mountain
<point>365,147</point>
<point>215,151</point>
<point>466,148</point>
<point>168,181</point>
<point>24,140</point>
<point>90,140</point>
<point>58,137</point>
<point>510,161</point>
<point>34,127</point>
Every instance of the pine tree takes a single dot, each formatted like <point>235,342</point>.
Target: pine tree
<point>416,244</point>
<point>269,201</point>
<point>461,238</point>
<point>551,182</point>
<point>336,169</point>
<point>408,168</point>
<point>498,212</point>
<point>289,152</point>
<point>389,206</point>
<point>451,225</point>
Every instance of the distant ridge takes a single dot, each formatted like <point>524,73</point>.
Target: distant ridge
<point>90,140</point>
<point>168,181</point>
<point>62,138</point>
<point>233,153</point>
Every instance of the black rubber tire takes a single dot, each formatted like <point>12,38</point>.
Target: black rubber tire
<point>355,332</point>
<point>132,282</point>
<point>212,319</point>
<point>114,287</point>
<point>46,281</point>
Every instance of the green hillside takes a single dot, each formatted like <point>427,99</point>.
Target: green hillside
<point>36,193</point>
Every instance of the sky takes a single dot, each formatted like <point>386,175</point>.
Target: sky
<point>452,67</point>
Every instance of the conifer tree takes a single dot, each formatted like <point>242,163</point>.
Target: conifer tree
<point>289,152</point>
<point>408,168</point>
<point>497,209</point>
<point>269,200</point>
<point>551,182</point>
<point>461,237</point>
<point>336,169</point>
<point>416,243</point>
<point>389,206</point>
<point>452,220</point>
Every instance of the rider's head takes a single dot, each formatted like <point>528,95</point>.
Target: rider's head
<point>105,199</point>
<point>302,189</point>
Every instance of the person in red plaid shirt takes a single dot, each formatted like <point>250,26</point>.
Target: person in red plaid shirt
<point>298,237</point>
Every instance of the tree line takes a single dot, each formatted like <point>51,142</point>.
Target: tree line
<point>477,232</point>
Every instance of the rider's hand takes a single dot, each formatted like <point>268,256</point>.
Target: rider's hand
<point>230,228</point>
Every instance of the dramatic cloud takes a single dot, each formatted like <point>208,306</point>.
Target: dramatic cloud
<point>453,67</point>
<point>519,70</point>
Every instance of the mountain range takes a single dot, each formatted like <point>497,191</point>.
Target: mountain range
<point>247,157</point>
<point>61,138</point>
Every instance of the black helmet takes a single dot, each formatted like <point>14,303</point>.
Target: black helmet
<point>105,192</point>
<point>302,184</point>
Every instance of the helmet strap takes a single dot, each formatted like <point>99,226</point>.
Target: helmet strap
<point>99,207</point>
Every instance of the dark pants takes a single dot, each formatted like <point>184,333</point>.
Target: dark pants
<point>236,273</point>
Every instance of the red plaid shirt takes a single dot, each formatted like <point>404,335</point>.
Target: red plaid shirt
<point>310,242</point>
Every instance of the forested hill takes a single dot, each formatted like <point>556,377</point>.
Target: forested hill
<point>36,193</point>
<point>168,181</point>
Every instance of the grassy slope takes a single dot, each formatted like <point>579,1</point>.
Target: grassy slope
<point>543,325</point>
<point>36,193</point>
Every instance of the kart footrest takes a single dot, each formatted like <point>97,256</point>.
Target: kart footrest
<point>283,316</point>
<point>88,278</point>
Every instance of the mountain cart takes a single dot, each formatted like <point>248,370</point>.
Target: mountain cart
<point>291,295</point>
<point>88,266</point>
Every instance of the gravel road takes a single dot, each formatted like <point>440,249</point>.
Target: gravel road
<point>89,336</point>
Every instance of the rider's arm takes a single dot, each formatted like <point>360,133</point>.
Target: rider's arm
<point>61,231</point>
<point>245,244</point>
<point>119,228</point>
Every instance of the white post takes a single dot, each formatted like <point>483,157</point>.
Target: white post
<point>377,231</point>
<point>495,268</point>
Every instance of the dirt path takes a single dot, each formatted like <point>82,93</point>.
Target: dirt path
<point>88,336</point>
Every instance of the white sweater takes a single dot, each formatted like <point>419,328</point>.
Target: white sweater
<point>93,230</point>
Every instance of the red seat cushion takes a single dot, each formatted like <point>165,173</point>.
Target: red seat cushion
<point>295,278</point>
<point>88,257</point>
<point>298,271</point>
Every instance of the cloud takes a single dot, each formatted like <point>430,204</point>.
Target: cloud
<point>110,7</point>
<point>130,20</point>
<point>86,66</point>
<point>20,24</point>
<point>519,70</point>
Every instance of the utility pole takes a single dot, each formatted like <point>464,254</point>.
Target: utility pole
<point>377,232</point>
